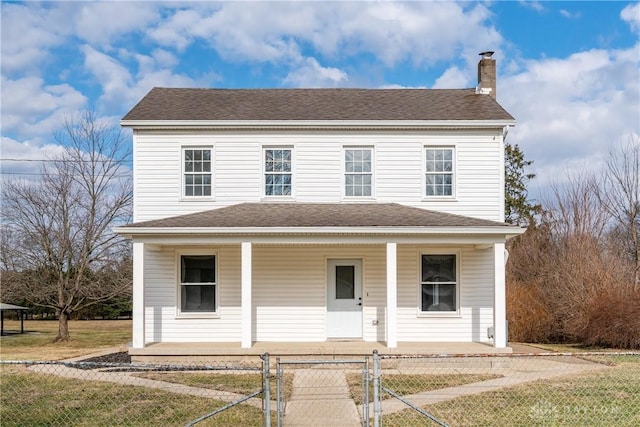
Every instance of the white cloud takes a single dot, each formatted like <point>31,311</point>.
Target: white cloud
<point>99,23</point>
<point>27,35</point>
<point>114,78</point>
<point>32,109</point>
<point>419,32</point>
<point>631,15</point>
<point>311,74</point>
<point>452,78</point>
<point>175,31</point>
<point>21,159</point>
<point>533,4</point>
<point>120,86</point>
<point>568,14</point>
<point>570,110</point>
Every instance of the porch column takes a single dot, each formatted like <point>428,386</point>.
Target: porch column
<point>138,295</point>
<point>392,295</point>
<point>499,298</point>
<point>246,270</point>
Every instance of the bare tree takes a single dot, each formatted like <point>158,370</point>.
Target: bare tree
<point>67,254</point>
<point>566,279</point>
<point>619,194</point>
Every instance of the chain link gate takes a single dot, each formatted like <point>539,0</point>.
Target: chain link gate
<point>322,392</point>
<point>378,388</point>
<point>264,391</point>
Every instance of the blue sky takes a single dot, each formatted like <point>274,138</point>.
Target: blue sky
<point>568,71</point>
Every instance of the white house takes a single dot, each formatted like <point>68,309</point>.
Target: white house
<point>308,215</point>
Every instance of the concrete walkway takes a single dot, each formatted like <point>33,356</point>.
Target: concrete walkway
<point>321,398</point>
<point>538,370</point>
<point>129,378</point>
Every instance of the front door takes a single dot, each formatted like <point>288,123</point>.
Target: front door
<point>344,298</point>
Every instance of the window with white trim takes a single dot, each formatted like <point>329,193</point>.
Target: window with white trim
<point>439,172</point>
<point>438,283</point>
<point>277,172</point>
<point>198,284</point>
<point>197,174</point>
<point>358,172</point>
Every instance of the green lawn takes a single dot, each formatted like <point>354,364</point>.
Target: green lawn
<point>31,399</point>
<point>87,336</point>
<point>604,397</point>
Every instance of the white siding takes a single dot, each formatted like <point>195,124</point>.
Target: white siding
<point>318,163</point>
<point>476,293</point>
<point>161,290</point>
<point>289,295</point>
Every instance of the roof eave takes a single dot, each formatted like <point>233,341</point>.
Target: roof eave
<point>227,231</point>
<point>315,124</point>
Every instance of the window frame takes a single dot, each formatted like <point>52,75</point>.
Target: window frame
<point>180,284</point>
<point>371,150</point>
<point>266,196</point>
<point>183,172</point>
<point>458,283</point>
<point>453,172</point>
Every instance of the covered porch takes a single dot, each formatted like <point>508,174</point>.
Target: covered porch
<point>252,239</point>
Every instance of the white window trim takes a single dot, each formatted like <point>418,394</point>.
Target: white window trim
<point>199,315</point>
<point>184,197</point>
<point>454,172</point>
<point>263,180</point>
<point>442,251</point>
<point>343,165</point>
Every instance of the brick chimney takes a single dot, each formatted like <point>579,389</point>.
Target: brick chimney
<point>487,75</point>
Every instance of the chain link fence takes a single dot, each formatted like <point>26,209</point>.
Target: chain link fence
<point>550,389</point>
<point>108,394</point>
<point>590,389</point>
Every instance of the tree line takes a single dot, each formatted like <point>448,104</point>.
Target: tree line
<point>574,275</point>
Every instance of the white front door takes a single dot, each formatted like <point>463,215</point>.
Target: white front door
<point>344,298</point>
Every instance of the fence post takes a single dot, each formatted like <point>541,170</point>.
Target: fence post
<point>267,391</point>
<point>278,393</point>
<point>365,408</point>
<point>376,389</point>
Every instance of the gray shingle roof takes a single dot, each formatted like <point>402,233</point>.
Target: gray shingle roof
<point>266,215</point>
<point>178,104</point>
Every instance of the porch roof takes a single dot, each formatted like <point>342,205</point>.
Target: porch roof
<point>338,218</point>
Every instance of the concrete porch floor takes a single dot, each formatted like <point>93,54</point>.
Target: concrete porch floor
<point>329,349</point>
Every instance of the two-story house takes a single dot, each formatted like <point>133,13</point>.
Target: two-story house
<point>307,215</point>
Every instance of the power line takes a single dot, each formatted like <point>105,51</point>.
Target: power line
<point>53,174</point>
<point>62,160</point>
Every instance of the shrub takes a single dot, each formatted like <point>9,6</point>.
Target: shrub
<point>612,320</point>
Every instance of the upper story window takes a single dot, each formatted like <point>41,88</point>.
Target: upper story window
<point>197,172</point>
<point>198,284</point>
<point>438,283</point>
<point>439,172</point>
<point>277,172</point>
<point>358,172</point>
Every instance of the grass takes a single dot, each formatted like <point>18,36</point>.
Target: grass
<point>234,383</point>
<point>403,384</point>
<point>606,397</point>
<point>87,336</point>
<point>33,399</point>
